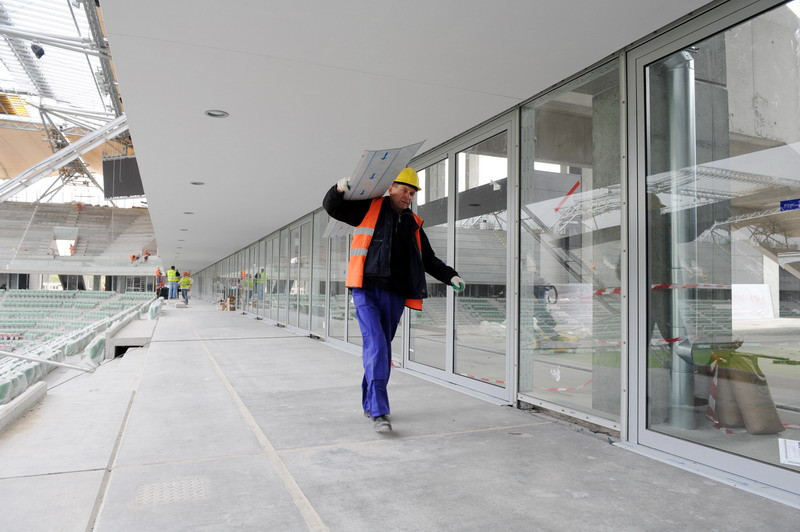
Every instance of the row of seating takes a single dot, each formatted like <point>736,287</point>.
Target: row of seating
<point>59,294</point>
<point>48,303</point>
<point>41,315</point>
<point>17,375</point>
<point>136,296</point>
<point>54,331</point>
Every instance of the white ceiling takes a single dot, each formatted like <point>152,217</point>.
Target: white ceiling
<point>310,85</point>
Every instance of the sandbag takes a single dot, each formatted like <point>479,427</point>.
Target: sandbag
<point>725,408</point>
<point>752,395</point>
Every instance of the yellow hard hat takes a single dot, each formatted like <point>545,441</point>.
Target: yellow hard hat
<point>408,176</point>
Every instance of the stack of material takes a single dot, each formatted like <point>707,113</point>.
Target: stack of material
<point>740,396</point>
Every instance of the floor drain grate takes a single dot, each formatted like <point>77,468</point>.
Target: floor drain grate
<point>187,489</point>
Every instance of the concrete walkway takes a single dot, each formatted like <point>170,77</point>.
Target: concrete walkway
<point>228,423</point>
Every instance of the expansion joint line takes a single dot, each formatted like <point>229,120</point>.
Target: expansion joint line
<point>310,515</point>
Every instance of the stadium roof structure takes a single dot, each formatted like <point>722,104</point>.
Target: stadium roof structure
<point>57,87</point>
<point>306,87</point>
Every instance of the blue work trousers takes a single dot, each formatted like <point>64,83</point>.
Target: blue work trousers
<point>378,312</point>
<point>173,289</point>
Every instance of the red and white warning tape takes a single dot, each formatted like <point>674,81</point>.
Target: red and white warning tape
<point>564,389</point>
<point>564,200</point>
<point>666,286</point>
<point>607,291</point>
<point>484,379</point>
<point>689,285</point>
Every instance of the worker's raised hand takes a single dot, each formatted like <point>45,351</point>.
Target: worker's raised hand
<point>458,284</point>
<point>343,185</point>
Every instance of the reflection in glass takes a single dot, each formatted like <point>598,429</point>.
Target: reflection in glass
<point>261,276</point>
<point>570,284</point>
<point>481,250</point>
<point>304,279</point>
<point>272,278</point>
<point>337,311</point>
<point>319,274</point>
<point>284,262</point>
<point>252,271</point>
<point>428,327</point>
<point>723,152</point>
<point>293,278</point>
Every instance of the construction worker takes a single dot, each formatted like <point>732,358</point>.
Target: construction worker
<point>186,285</point>
<point>389,257</point>
<point>159,281</point>
<point>172,281</point>
<point>247,284</point>
<point>261,282</point>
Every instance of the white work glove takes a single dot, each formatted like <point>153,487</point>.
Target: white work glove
<point>343,185</point>
<point>458,284</point>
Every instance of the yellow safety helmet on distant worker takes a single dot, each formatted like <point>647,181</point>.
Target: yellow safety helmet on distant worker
<point>408,176</point>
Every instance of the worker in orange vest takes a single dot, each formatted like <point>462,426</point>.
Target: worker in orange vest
<point>389,257</point>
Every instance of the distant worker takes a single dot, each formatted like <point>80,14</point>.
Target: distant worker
<point>389,256</point>
<point>72,249</point>
<point>248,283</point>
<point>261,282</point>
<point>146,254</point>
<point>172,282</point>
<point>186,285</point>
<point>541,297</point>
<point>159,283</point>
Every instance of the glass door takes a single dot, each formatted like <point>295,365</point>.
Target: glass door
<point>299,275</point>
<point>429,327</point>
<point>294,274</point>
<point>720,154</point>
<point>467,338</point>
<point>481,251</point>
<point>570,248</point>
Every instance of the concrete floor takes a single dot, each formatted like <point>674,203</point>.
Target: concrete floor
<point>228,423</point>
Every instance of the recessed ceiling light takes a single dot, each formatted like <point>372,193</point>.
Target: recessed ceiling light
<point>184,229</point>
<point>180,247</point>
<point>181,240</point>
<point>188,212</point>
<point>217,113</point>
<point>197,183</point>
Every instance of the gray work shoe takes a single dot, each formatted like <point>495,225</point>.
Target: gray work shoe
<point>381,424</point>
<point>366,414</point>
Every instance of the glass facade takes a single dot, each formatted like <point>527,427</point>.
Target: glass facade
<point>668,175</point>
<point>319,274</point>
<point>427,338</point>
<point>481,247</point>
<point>338,294</point>
<point>570,261</point>
<point>723,235</point>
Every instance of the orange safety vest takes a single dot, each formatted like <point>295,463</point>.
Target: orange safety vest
<point>362,236</point>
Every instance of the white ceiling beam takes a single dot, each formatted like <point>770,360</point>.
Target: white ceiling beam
<point>74,44</point>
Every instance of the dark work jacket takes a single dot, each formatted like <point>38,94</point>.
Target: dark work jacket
<point>392,259</point>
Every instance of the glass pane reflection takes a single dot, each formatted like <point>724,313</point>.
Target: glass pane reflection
<point>723,192</point>
<point>481,250</point>
<point>570,286</point>
<point>338,294</point>
<point>428,327</point>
